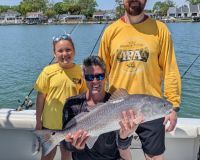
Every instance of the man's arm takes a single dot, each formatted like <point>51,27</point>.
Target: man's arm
<point>169,67</point>
<point>171,77</point>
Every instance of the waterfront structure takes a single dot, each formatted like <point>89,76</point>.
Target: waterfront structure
<point>11,17</point>
<point>35,18</point>
<point>98,16</point>
<point>110,15</point>
<point>67,18</point>
<point>185,11</point>
<point>104,15</point>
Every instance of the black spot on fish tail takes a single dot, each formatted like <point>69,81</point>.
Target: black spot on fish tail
<point>48,139</point>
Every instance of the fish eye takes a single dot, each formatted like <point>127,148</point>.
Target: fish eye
<point>164,105</point>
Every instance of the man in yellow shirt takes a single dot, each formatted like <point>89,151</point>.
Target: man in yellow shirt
<point>139,56</point>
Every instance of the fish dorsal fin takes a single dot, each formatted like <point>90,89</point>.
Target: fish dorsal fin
<point>91,141</point>
<point>73,121</point>
<point>118,94</point>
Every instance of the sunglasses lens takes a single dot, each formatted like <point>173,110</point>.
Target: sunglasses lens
<point>89,77</point>
<point>63,37</point>
<point>99,77</point>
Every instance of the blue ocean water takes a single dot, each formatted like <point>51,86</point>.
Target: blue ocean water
<point>26,49</point>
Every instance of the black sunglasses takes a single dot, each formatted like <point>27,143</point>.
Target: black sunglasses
<point>99,77</point>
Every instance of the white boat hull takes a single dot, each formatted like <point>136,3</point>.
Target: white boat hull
<point>17,140</point>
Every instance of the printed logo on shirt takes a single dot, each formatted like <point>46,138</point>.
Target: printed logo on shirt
<point>130,55</point>
<point>133,55</point>
<point>76,80</point>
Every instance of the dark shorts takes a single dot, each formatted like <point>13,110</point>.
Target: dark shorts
<point>152,137</point>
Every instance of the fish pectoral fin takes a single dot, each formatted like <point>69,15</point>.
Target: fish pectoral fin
<point>91,141</point>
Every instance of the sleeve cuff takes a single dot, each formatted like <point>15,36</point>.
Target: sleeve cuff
<point>123,143</point>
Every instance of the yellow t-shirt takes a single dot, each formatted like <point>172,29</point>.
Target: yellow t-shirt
<point>138,57</point>
<point>58,84</point>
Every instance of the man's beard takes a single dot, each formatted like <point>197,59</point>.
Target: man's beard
<point>134,10</point>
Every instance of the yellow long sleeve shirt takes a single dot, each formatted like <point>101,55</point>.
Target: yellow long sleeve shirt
<point>138,57</point>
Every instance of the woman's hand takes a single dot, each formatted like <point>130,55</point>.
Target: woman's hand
<point>77,139</point>
<point>129,123</point>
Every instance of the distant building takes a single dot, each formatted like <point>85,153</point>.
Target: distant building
<point>194,10</point>
<point>172,12</point>
<point>11,17</point>
<point>110,15</point>
<point>71,18</point>
<point>98,16</point>
<point>184,11</point>
<point>104,15</point>
<point>35,18</point>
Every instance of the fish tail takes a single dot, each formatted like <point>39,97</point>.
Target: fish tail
<point>48,140</point>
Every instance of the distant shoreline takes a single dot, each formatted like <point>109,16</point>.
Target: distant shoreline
<point>178,20</point>
<point>61,23</point>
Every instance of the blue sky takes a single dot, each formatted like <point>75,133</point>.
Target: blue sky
<point>109,4</point>
<point>102,4</point>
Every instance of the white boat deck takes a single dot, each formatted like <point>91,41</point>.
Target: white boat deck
<point>19,142</point>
